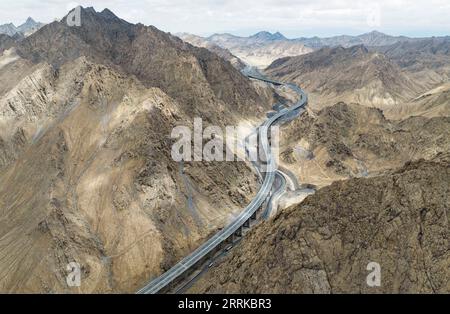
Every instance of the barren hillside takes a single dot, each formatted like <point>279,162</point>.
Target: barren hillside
<point>398,220</point>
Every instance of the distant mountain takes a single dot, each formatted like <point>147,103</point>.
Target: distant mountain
<point>86,169</point>
<point>264,47</point>
<point>222,52</point>
<point>8,29</point>
<point>259,49</point>
<point>352,74</point>
<point>428,59</point>
<point>373,38</point>
<point>26,29</point>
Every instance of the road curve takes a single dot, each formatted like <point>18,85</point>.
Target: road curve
<point>189,261</point>
<point>275,196</point>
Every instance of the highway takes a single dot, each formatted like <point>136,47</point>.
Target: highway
<point>189,261</point>
<point>273,200</point>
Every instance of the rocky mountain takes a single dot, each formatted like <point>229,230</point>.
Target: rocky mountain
<point>221,52</point>
<point>8,29</point>
<point>352,74</point>
<point>372,39</point>
<point>343,141</point>
<point>427,59</point>
<point>86,173</point>
<point>5,42</point>
<point>29,27</point>
<point>264,36</point>
<point>398,220</point>
<point>383,198</point>
<point>260,49</point>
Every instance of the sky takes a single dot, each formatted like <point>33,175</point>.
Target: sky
<point>293,18</point>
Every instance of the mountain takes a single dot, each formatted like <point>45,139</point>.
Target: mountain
<point>6,42</point>
<point>383,198</point>
<point>29,27</point>
<point>398,220</point>
<point>156,58</point>
<point>427,59</point>
<point>260,49</point>
<point>352,74</point>
<point>221,52</point>
<point>267,36</point>
<point>373,38</point>
<point>86,173</point>
<point>432,103</point>
<point>264,47</point>
<point>8,29</point>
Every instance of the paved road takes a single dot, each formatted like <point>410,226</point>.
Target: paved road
<point>189,261</point>
<point>273,200</point>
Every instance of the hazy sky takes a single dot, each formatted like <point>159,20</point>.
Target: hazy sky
<point>294,18</point>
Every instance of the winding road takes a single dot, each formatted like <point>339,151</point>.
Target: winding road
<point>223,235</point>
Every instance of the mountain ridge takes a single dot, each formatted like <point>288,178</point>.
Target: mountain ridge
<point>27,28</point>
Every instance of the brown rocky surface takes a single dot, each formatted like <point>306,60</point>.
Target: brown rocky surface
<point>399,220</point>
<point>350,140</point>
<point>260,49</point>
<point>86,173</point>
<point>427,59</point>
<point>350,75</point>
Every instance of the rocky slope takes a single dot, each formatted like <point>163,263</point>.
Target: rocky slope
<point>5,42</point>
<point>432,103</point>
<point>200,80</point>
<point>349,140</point>
<point>373,39</point>
<point>221,52</point>
<point>86,173</point>
<point>263,48</point>
<point>260,49</point>
<point>428,60</point>
<point>398,220</point>
<point>350,74</point>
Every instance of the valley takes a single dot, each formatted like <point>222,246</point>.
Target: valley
<point>359,173</point>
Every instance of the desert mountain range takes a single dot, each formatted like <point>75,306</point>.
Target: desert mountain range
<point>29,27</point>
<point>86,172</point>
<point>85,167</point>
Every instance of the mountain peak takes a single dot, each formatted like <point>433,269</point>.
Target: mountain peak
<point>108,14</point>
<point>278,35</point>
<point>264,35</point>
<point>374,33</point>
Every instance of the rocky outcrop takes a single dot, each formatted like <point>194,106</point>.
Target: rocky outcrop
<point>350,140</point>
<point>399,220</point>
<point>221,52</point>
<point>260,49</point>
<point>86,173</point>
